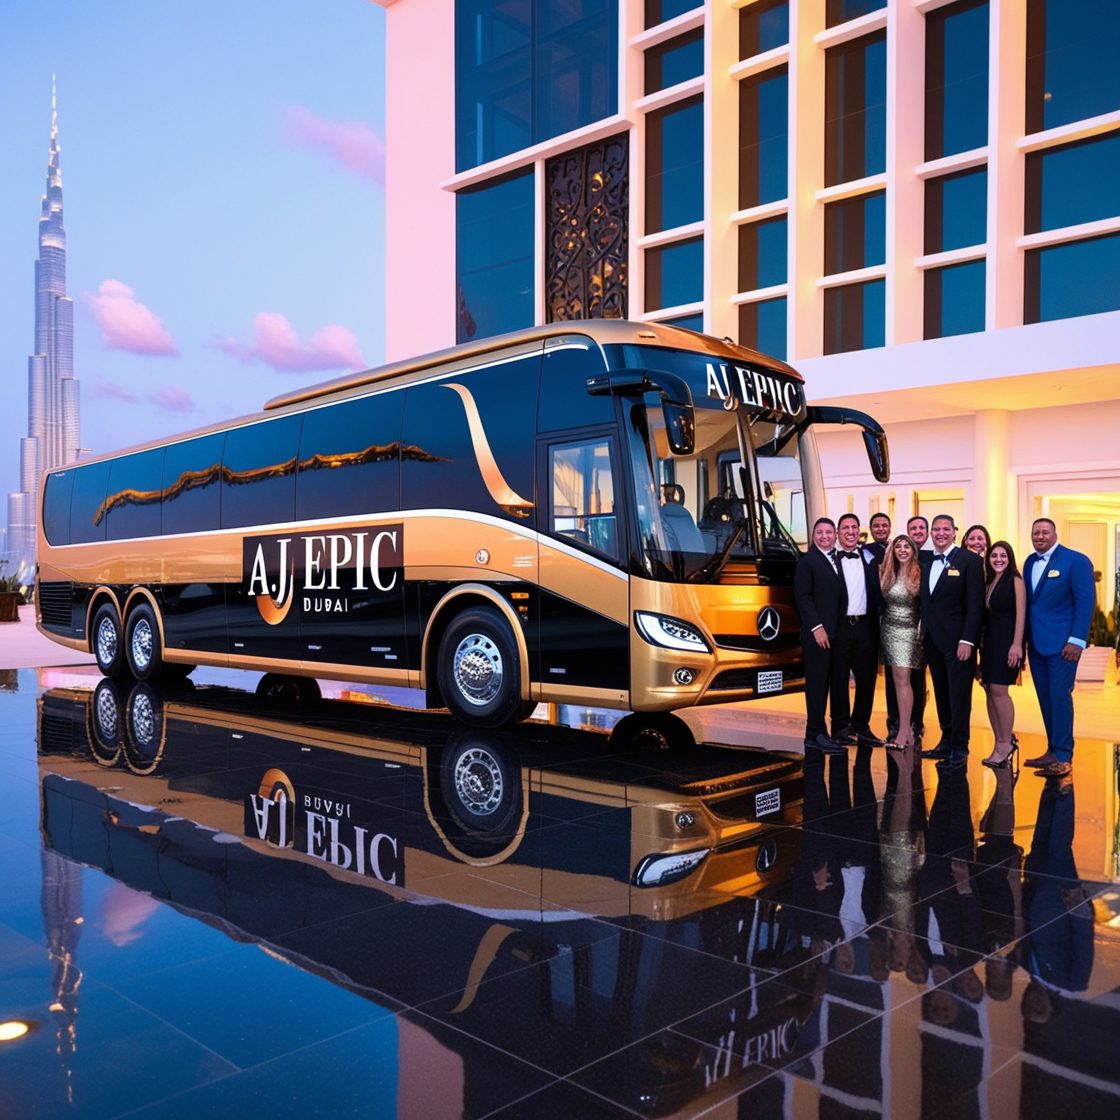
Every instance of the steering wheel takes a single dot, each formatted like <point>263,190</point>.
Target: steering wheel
<point>719,509</point>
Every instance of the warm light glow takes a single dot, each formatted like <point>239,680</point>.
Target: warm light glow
<point>13,1029</point>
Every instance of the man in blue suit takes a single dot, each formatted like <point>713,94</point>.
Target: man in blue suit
<point>1060,600</point>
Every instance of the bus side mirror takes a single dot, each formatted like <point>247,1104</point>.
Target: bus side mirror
<point>874,438</point>
<point>680,427</point>
<point>676,400</point>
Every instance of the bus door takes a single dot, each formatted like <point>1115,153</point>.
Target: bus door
<point>584,596</point>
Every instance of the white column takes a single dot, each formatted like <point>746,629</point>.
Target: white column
<point>993,494</point>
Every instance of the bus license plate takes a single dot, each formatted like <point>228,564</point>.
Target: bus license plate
<point>768,801</point>
<point>770,681</point>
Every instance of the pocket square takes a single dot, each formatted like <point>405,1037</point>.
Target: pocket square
<point>1053,575</point>
<point>952,572</point>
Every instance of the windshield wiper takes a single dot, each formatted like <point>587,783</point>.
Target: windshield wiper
<point>715,565</point>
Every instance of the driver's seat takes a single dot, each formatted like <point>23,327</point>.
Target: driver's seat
<point>683,534</point>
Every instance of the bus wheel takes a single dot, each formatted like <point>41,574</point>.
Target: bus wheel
<point>145,658</point>
<point>144,728</point>
<point>105,722</point>
<point>481,783</point>
<point>108,647</point>
<point>479,672</point>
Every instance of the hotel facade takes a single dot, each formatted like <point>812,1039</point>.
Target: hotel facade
<point>913,202</point>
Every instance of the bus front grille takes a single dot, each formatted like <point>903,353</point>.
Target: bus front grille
<point>755,643</point>
<point>55,602</point>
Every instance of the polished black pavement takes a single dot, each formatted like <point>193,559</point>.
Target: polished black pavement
<point>217,904</point>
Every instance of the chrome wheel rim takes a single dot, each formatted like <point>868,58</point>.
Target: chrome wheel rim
<point>477,669</point>
<point>479,784</point>
<point>143,719</point>
<point>108,714</point>
<point>106,641</point>
<point>141,644</point>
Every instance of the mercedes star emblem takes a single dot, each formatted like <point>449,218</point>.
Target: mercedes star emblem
<point>767,856</point>
<point>768,624</point>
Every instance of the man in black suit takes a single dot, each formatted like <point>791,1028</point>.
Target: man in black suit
<point>819,594</point>
<point>880,526</point>
<point>855,651</point>
<point>952,607</point>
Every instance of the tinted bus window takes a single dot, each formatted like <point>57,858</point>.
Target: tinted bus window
<point>259,473</point>
<point>468,441</point>
<point>87,503</point>
<point>349,458</point>
<point>565,402</point>
<point>133,501</point>
<point>56,507</point>
<point>191,495</point>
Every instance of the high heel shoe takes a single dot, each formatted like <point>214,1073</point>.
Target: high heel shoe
<point>1001,763</point>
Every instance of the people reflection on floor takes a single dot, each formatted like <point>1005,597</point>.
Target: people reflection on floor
<point>817,881</point>
<point>902,850</point>
<point>1059,946</point>
<point>949,910</point>
<point>999,885</point>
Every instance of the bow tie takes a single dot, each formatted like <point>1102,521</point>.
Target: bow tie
<point>943,557</point>
<point>847,555</point>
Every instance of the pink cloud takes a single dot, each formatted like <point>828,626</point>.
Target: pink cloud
<point>352,143</point>
<point>110,390</point>
<point>126,324</point>
<point>171,398</point>
<point>276,343</point>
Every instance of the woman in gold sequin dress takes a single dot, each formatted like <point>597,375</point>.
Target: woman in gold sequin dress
<point>900,634</point>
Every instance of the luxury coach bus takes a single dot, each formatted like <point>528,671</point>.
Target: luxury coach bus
<point>604,513</point>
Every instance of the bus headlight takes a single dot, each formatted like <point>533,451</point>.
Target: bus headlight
<point>670,633</point>
<point>657,871</point>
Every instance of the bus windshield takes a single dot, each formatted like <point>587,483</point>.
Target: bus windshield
<point>739,495</point>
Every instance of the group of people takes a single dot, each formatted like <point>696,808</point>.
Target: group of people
<point>921,602</point>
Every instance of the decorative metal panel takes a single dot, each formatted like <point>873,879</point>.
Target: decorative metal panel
<point>587,243</point>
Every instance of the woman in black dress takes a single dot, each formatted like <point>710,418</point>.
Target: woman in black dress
<point>1001,654</point>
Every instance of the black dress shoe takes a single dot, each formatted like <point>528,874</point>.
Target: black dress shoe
<point>936,752</point>
<point>845,737</point>
<point>866,737</point>
<point>953,761</point>
<point>826,745</point>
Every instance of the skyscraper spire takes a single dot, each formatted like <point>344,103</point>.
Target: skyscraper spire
<point>52,398</point>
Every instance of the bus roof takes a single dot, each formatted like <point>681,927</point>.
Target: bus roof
<point>603,331</point>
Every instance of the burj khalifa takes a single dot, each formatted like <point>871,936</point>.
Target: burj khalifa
<point>52,401</point>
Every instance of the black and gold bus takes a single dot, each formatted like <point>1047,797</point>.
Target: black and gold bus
<point>604,513</point>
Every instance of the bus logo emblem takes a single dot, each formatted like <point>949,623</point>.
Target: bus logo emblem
<point>769,623</point>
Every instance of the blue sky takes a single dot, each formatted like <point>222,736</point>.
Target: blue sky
<point>220,162</point>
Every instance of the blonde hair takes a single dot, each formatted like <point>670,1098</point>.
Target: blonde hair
<point>890,570</point>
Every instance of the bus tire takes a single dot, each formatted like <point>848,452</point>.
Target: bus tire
<point>480,781</point>
<point>479,670</point>
<point>107,641</point>
<point>142,644</point>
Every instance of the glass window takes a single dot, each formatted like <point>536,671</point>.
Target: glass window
<point>564,399</point>
<point>763,254</point>
<point>494,256</point>
<point>764,137</point>
<point>676,61</point>
<point>658,11</point>
<point>762,327</point>
<point>675,165</point>
<point>956,211</point>
<point>468,441</point>
<point>956,78</point>
<point>56,507</point>
<point>1072,184</point>
<point>192,471</point>
<point>528,70</point>
<point>133,500</point>
<point>1072,48</point>
<point>854,317</point>
<point>259,473</point>
<point>349,458</point>
<point>763,26</point>
<point>954,302</point>
<point>855,109</point>
<point>855,233</point>
<point>583,505</point>
<point>675,274</point>
<point>1077,278</point>
<point>689,322</point>
<point>840,11</point>
<point>87,503</point>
